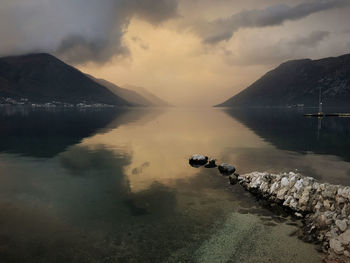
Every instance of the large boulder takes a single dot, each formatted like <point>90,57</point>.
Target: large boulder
<point>198,160</point>
<point>226,169</point>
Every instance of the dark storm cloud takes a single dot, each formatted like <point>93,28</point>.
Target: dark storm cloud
<point>77,49</point>
<point>311,40</point>
<point>223,29</point>
<point>274,53</point>
<point>154,11</point>
<point>78,31</point>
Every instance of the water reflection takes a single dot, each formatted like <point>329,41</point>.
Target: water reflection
<point>316,147</point>
<point>290,130</point>
<point>45,133</point>
<point>125,193</point>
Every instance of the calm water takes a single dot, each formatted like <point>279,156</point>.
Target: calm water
<point>115,186</point>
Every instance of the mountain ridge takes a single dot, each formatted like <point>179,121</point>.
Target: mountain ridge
<point>149,96</point>
<point>299,82</point>
<point>42,77</point>
<point>127,94</point>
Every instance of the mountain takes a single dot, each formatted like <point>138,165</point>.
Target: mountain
<point>156,101</point>
<point>128,95</point>
<point>299,82</point>
<point>44,78</point>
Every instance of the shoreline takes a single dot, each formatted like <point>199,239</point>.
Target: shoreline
<point>324,208</point>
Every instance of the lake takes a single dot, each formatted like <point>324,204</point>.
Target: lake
<point>107,185</point>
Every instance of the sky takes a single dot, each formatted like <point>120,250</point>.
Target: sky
<point>189,52</point>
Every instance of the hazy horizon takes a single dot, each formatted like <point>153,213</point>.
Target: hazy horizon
<point>194,52</point>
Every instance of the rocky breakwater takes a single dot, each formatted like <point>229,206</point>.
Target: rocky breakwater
<point>325,208</point>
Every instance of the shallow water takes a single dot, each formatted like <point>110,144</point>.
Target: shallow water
<point>115,185</point>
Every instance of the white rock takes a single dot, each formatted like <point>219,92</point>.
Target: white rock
<point>292,174</point>
<point>345,237</point>
<point>315,185</point>
<point>332,234</point>
<point>326,204</point>
<point>341,224</point>
<point>292,181</point>
<point>287,201</point>
<point>329,191</point>
<point>293,204</point>
<point>332,207</point>
<point>198,157</point>
<point>298,214</point>
<point>344,192</point>
<point>343,211</point>
<point>336,245</point>
<point>298,185</point>
<point>284,182</point>
<point>281,193</point>
<point>296,195</point>
<point>274,187</point>
<point>340,200</point>
<point>305,196</point>
<point>262,186</point>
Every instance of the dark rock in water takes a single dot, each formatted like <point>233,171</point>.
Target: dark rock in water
<point>198,160</point>
<point>211,163</point>
<point>226,169</point>
<point>233,179</point>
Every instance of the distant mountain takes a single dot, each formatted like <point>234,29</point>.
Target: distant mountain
<point>44,78</point>
<point>299,82</point>
<point>128,95</point>
<point>155,100</point>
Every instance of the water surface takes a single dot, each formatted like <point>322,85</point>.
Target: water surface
<point>115,185</point>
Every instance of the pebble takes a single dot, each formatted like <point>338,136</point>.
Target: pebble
<point>341,224</point>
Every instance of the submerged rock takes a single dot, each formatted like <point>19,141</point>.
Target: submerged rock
<point>226,169</point>
<point>198,160</point>
<point>211,163</point>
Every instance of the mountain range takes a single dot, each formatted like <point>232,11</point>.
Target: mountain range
<point>155,100</point>
<point>299,82</point>
<point>136,95</point>
<point>42,78</point>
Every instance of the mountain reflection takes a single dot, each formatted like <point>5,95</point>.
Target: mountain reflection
<point>288,129</point>
<point>127,194</point>
<point>46,133</point>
